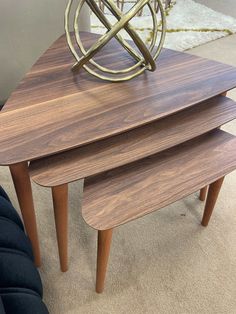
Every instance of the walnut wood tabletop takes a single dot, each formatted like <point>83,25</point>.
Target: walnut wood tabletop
<point>55,110</point>
<point>133,145</point>
<point>134,190</point>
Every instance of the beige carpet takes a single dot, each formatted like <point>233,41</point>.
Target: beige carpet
<point>165,263</point>
<point>189,24</point>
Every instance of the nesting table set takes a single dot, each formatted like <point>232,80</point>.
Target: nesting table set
<point>140,145</point>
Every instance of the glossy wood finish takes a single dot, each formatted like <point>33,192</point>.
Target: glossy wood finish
<point>21,180</point>
<point>103,251</point>
<point>203,193</point>
<point>52,76</point>
<point>133,145</point>
<point>134,190</point>
<point>60,204</point>
<point>214,190</point>
<point>58,111</point>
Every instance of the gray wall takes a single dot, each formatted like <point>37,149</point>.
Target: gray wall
<point>27,29</point>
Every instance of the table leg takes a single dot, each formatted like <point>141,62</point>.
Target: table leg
<point>60,204</point>
<point>203,193</point>
<point>103,250</point>
<point>213,192</point>
<point>21,180</point>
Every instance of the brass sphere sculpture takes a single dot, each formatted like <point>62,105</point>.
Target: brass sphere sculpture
<point>144,61</point>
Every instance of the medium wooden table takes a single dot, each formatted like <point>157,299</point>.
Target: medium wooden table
<point>53,111</point>
<point>122,185</point>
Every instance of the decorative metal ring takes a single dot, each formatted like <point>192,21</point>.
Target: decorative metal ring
<point>146,61</point>
<point>120,39</point>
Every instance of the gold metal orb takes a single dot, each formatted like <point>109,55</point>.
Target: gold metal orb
<point>143,61</point>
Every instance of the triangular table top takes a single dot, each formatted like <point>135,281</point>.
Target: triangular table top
<point>54,110</point>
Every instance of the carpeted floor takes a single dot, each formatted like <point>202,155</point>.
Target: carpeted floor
<point>165,263</point>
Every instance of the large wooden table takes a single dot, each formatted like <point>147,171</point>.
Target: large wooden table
<point>54,111</point>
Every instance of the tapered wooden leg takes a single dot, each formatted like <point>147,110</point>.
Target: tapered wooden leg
<point>60,204</point>
<point>213,192</point>
<point>104,244</point>
<point>21,180</point>
<point>203,193</point>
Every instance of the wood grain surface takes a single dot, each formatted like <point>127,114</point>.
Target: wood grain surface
<point>54,110</point>
<point>134,190</point>
<point>133,145</point>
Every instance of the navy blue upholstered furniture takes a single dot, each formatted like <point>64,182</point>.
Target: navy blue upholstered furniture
<point>20,284</point>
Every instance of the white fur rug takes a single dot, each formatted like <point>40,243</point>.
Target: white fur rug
<point>189,24</point>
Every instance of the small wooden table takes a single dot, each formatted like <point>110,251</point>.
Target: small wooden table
<point>53,111</point>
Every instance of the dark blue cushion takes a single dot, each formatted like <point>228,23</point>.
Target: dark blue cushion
<point>2,311</point>
<point>12,237</point>
<point>20,283</point>
<point>4,194</point>
<point>23,303</point>
<point>18,290</point>
<point>18,271</point>
<point>8,211</point>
